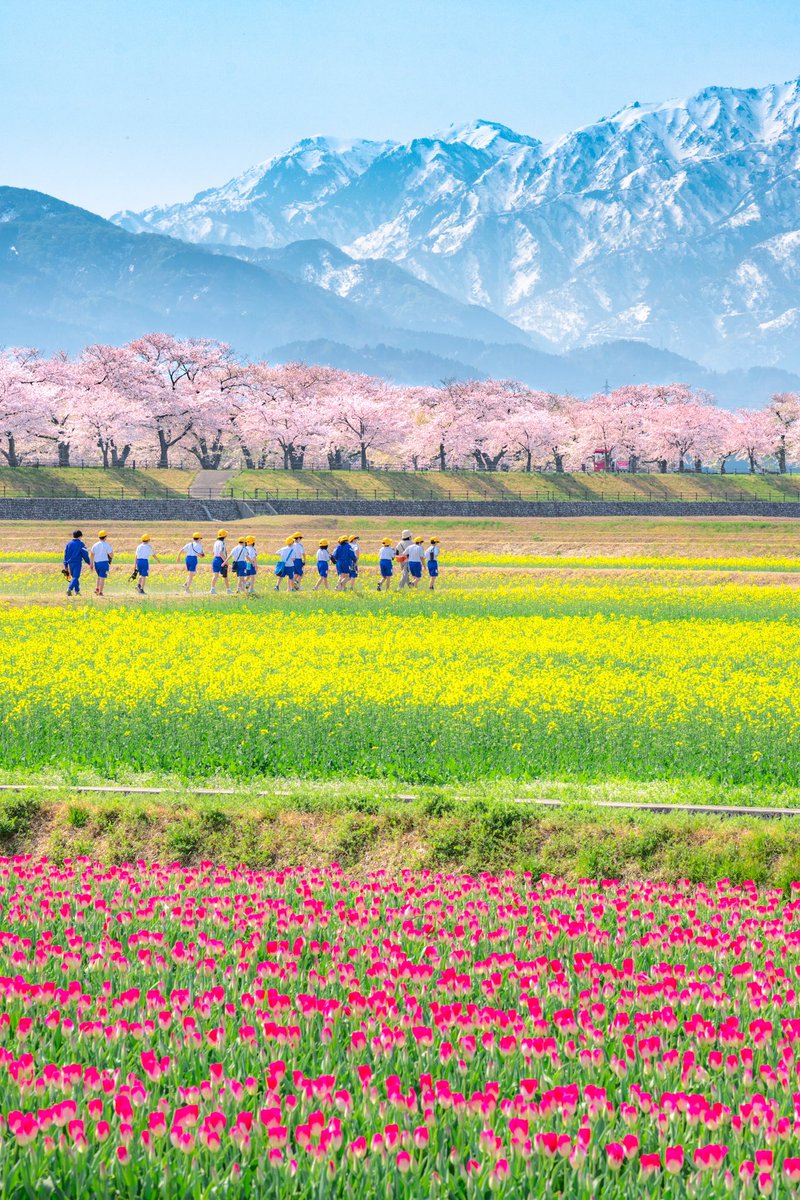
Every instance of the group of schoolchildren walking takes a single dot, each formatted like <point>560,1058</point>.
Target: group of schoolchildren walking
<point>240,562</point>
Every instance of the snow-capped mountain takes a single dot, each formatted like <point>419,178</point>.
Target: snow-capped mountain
<point>674,223</point>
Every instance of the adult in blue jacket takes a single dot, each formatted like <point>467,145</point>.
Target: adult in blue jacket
<point>75,555</point>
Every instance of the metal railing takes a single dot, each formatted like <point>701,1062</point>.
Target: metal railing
<point>8,492</point>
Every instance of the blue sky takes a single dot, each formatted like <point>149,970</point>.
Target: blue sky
<point>124,103</point>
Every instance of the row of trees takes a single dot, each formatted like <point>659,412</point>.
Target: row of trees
<point>176,400</point>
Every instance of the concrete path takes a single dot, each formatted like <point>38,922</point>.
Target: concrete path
<point>692,810</point>
<point>210,485</point>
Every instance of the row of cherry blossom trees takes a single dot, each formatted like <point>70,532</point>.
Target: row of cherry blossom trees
<point>174,400</point>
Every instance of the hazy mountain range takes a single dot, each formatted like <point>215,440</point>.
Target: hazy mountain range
<point>676,223</point>
<point>662,242</point>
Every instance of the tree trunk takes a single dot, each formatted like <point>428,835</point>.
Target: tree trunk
<point>782,456</point>
<point>442,456</point>
<point>335,460</point>
<point>681,464</point>
<point>297,457</point>
<point>528,461</point>
<point>633,464</point>
<point>63,454</point>
<point>364,463</point>
<point>103,445</point>
<point>120,457</point>
<point>698,465</point>
<point>164,445</point>
<point>559,463</point>
<point>752,459</point>
<point>9,451</point>
<point>662,466</point>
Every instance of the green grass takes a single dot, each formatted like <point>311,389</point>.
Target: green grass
<point>93,481</point>
<point>510,485</point>
<point>364,827</point>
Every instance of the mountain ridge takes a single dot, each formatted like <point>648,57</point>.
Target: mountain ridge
<point>676,222</point>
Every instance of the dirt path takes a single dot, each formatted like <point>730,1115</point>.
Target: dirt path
<point>210,485</point>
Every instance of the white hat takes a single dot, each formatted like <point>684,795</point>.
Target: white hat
<point>406,533</point>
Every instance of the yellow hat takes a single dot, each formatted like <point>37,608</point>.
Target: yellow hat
<point>323,544</point>
<point>386,542</point>
<point>242,541</point>
<point>197,537</point>
<point>434,540</point>
<point>222,533</point>
<point>344,538</point>
<point>290,541</point>
<point>145,537</point>
<point>251,541</point>
<point>418,541</point>
<point>298,535</point>
<point>102,533</point>
<point>352,537</point>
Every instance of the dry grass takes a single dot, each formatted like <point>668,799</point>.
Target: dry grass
<point>567,536</point>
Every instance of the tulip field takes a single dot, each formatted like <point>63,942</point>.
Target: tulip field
<point>205,1031</point>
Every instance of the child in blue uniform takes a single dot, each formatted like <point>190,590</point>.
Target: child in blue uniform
<point>323,565</point>
<point>75,555</point>
<point>356,551</point>
<point>432,561</point>
<point>415,553</point>
<point>239,563</point>
<point>298,561</point>
<point>251,558</point>
<point>386,556</point>
<point>190,553</point>
<point>284,568</point>
<point>343,557</point>
<point>218,561</point>
<point>101,557</point>
<point>144,552</point>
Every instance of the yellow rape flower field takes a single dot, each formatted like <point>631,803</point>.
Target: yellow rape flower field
<point>572,674</point>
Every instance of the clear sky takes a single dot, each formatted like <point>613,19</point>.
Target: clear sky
<point>125,103</point>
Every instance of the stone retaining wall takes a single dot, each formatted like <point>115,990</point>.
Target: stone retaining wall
<point>76,510</point>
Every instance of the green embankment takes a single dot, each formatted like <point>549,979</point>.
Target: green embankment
<point>364,830</point>
<point>510,485</point>
<point>404,485</point>
<point>114,483</point>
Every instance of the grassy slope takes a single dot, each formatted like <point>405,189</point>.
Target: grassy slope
<point>406,485</point>
<point>365,831</point>
<point>512,485</point>
<point>92,481</point>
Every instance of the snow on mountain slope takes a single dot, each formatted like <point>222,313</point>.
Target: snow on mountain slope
<point>676,223</point>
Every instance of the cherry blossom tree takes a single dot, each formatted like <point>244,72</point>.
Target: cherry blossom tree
<point>361,415</point>
<point>785,409</point>
<point>447,425</point>
<point>172,374</point>
<point>22,378</point>
<point>540,432</point>
<point>757,436</point>
<point>192,397</point>
<point>111,412</point>
<point>61,392</point>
